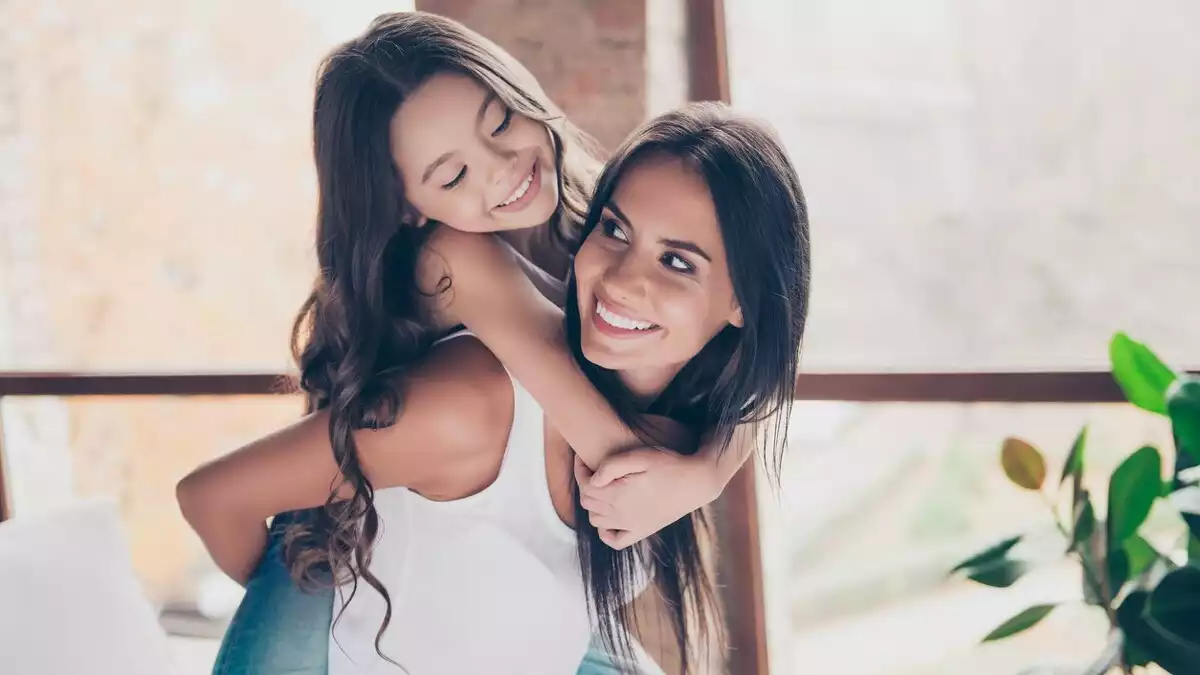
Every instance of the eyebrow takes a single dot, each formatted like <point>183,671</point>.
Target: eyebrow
<point>681,244</point>
<point>433,166</point>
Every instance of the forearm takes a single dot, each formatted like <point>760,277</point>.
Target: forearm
<point>725,462</point>
<point>492,297</point>
<point>586,420</point>
<point>236,545</point>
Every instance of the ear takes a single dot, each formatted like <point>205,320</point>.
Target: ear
<point>411,218</point>
<point>736,319</point>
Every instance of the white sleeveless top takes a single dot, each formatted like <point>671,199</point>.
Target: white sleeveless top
<point>488,584</point>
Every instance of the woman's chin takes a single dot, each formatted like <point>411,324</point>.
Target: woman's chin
<point>601,358</point>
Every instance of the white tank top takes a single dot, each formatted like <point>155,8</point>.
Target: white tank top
<point>485,584</point>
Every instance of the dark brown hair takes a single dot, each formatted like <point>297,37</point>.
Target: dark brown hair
<point>743,375</point>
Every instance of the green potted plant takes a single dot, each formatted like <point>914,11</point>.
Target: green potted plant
<point>1150,597</point>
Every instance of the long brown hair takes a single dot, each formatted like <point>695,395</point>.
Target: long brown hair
<point>363,326</point>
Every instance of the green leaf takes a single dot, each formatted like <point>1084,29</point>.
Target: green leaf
<point>1139,372</point>
<point>1135,655</point>
<point>1140,554</point>
<point>1001,573</point>
<point>1172,614</point>
<point>1183,406</point>
<point>1117,563</point>
<point>1129,618</point>
<point>1193,549</point>
<point>1023,464</point>
<point>1147,639</point>
<point>1134,486</point>
<point>993,567</point>
<point>1128,562</point>
<point>1085,521</point>
<point>1176,601</point>
<point>1187,457</point>
<point>1023,621</point>
<point>989,555</point>
<point>1088,541</point>
<point>1073,468</point>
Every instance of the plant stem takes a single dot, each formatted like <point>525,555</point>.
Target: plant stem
<point>1098,586</point>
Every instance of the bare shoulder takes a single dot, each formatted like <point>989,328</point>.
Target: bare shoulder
<point>447,441</point>
<point>453,426</point>
<point>471,391</point>
<point>449,262</point>
<point>450,252</point>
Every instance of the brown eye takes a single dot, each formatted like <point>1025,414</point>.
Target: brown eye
<point>612,229</point>
<point>677,263</point>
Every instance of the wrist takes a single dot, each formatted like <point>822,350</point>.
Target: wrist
<point>711,478</point>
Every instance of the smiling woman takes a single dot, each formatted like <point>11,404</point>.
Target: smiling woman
<point>466,158</point>
<point>652,276</point>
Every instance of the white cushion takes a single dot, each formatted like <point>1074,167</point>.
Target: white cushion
<point>69,600</point>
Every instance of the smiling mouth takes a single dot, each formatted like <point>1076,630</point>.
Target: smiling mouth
<point>611,322</point>
<point>522,190</point>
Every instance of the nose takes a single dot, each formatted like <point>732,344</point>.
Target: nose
<point>502,161</point>
<point>626,279</point>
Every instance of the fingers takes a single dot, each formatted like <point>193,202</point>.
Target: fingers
<point>596,506</point>
<point>583,474</point>
<point>625,464</point>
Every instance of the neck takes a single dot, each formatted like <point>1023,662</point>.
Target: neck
<point>646,384</point>
<point>532,244</point>
<point>518,238</point>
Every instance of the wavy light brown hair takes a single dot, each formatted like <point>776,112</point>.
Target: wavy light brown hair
<point>364,325</point>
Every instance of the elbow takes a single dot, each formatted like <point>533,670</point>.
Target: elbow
<point>194,495</point>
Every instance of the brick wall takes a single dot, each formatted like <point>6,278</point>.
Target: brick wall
<point>589,55</point>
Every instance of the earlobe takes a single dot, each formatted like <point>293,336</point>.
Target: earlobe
<point>414,219</point>
<point>736,320</point>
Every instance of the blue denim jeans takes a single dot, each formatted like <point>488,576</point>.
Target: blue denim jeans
<point>281,629</point>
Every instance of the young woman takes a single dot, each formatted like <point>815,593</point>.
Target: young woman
<point>421,121</point>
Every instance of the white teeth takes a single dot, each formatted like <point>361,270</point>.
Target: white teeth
<point>520,191</point>
<point>614,319</point>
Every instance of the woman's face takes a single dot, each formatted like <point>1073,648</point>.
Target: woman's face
<point>652,280</point>
<point>469,162</point>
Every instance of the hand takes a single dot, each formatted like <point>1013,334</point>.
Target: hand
<point>636,493</point>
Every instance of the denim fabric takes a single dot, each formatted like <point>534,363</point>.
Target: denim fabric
<point>281,629</point>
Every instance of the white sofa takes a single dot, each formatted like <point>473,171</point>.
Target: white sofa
<point>71,603</point>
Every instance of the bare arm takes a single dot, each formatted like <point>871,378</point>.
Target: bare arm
<point>727,462</point>
<point>445,442</point>
<point>490,295</point>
